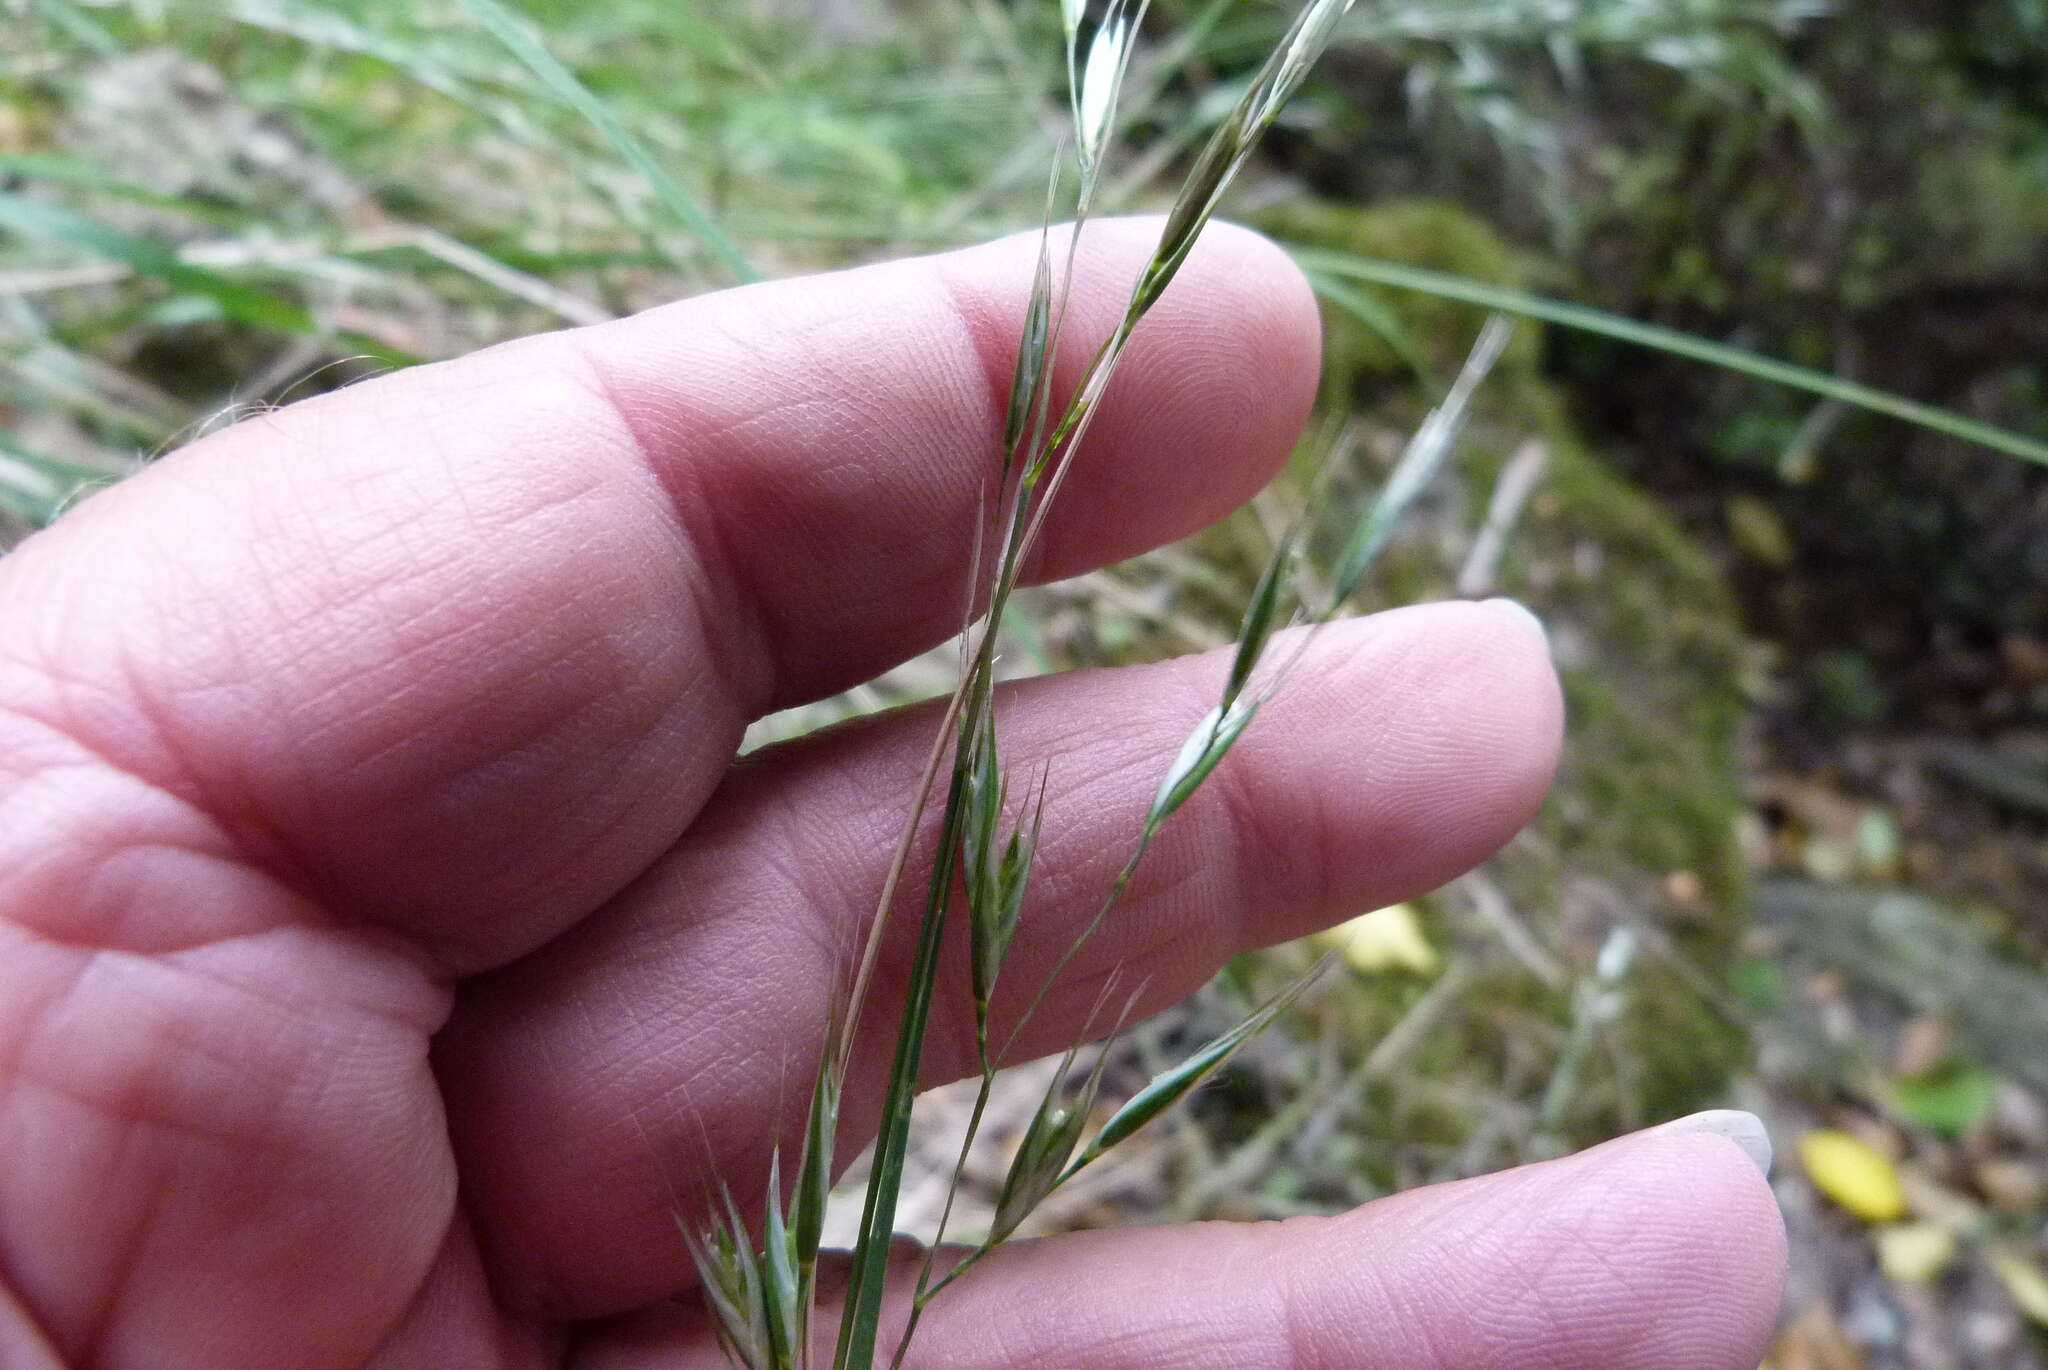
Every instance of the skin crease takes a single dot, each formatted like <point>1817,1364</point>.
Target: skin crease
<point>388,941</point>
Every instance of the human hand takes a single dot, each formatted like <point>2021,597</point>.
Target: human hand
<point>389,943</point>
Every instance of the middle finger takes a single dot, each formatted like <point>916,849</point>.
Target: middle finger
<point>625,1069</point>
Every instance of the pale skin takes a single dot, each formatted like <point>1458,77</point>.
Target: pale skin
<point>388,942</point>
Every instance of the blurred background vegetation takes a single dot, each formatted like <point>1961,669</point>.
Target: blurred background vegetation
<point>1798,859</point>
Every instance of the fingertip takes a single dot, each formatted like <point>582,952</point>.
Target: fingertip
<point>1523,617</point>
<point>1723,1181</point>
<point>1437,730</point>
<point>1253,279</point>
<point>1530,702</point>
<point>1744,1129</point>
<point>1662,1249</point>
<point>1710,1227</point>
<point>1236,338</point>
<point>1234,274</point>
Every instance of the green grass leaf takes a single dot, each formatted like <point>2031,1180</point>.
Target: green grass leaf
<point>323,26</point>
<point>79,26</point>
<point>1322,265</point>
<point>860,1323</point>
<point>71,171</point>
<point>520,39</point>
<point>1382,322</point>
<point>34,218</point>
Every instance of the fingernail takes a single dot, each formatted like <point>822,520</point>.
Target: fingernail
<point>1527,616</point>
<point>1746,1130</point>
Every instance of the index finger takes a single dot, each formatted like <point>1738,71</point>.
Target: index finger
<point>462,650</point>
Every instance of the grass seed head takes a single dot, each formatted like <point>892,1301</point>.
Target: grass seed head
<point>1204,750</point>
<point>1042,1156</point>
<point>1099,81</point>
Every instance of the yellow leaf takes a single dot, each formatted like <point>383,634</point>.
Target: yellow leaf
<point>1854,1174</point>
<point>1915,1253</point>
<point>1386,940</point>
<point>2024,1281</point>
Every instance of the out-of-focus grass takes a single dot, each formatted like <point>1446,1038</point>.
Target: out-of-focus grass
<point>284,184</point>
<point>209,204</point>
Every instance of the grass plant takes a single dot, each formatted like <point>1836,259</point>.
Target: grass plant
<point>518,36</point>
<point>761,1294</point>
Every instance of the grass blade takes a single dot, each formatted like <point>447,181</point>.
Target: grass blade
<point>72,171</point>
<point>860,1323</point>
<point>33,218</point>
<point>1506,300</point>
<point>80,27</point>
<point>519,38</point>
<point>1383,323</point>
<point>325,27</point>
